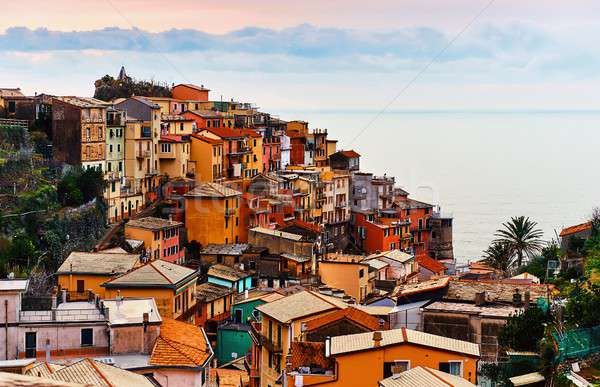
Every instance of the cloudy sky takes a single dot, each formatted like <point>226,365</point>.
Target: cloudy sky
<point>316,55</point>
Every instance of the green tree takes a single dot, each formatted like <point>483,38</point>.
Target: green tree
<point>522,235</point>
<point>582,306</point>
<point>524,330</point>
<point>499,256</point>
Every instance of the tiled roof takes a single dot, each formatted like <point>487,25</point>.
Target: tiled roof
<point>227,273</point>
<point>209,140</point>
<point>95,373</point>
<point>311,353</point>
<point>212,190</point>
<point>13,285</point>
<point>495,291</point>
<point>146,102</point>
<point>295,306</point>
<point>229,249</point>
<point>84,102</point>
<point>207,292</point>
<point>43,369</point>
<point>229,378</point>
<point>282,234</point>
<point>157,273</point>
<point>527,379</point>
<point>424,376</point>
<point>431,264</point>
<point>296,257</point>
<point>226,133</point>
<point>14,380</point>
<point>394,255</point>
<point>152,223</point>
<point>575,229</point>
<point>411,204</point>
<point>100,263</point>
<point>355,315</point>
<point>7,92</point>
<point>420,287</point>
<point>180,344</point>
<point>364,341</point>
<point>350,154</point>
<point>204,113</point>
<point>377,264</point>
<point>491,310</point>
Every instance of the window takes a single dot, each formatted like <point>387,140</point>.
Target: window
<point>87,337</point>
<point>177,303</point>
<point>120,166</point>
<point>452,367</point>
<point>80,286</point>
<point>361,273</point>
<point>30,344</point>
<point>400,366</point>
<point>237,316</point>
<point>109,166</point>
<point>12,106</point>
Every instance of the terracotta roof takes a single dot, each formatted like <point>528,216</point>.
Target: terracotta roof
<point>43,369</point>
<point>95,373</point>
<point>14,380</point>
<point>355,315</point>
<point>84,102</point>
<point>207,139</point>
<point>207,292</point>
<point>7,92</point>
<point>227,273</point>
<point>204,113</point>
<point>212,190</point>
<point>412,204</point>
<point>229,378</point>
<point>295,306</point>
<point>431,264</point>
<point>226,132</point>
<point>250,132</point>
<point>310,353</point>
<point>490,310</point>
<point>394,255</point>
<point>364,341</point>
<point>495,291</point>
<point>180,344</point>
<point>152,223</point>
<point>350,154</point>
<point>100,263</point>
<point>156,273</point>
<point>575,229</point>
<point>424,376</point>
<point>421,287</point>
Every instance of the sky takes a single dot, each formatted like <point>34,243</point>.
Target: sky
<point>291,57</point>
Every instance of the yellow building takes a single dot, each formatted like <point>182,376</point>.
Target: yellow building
<point>160,237</point>
<point>173,156</point>
<point>177,125</point>
<point>348,273</point>
<point>81,271</point>
<point>254,160</point>
<point>212,214</point>
<point>298,126</point>
<point>172,286</point>
<point>281,324</point>
<point>206,158</point>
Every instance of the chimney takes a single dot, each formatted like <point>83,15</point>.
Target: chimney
<point>527,299</point>
<point>145,319</point>
<point>517,300</point>
<point>377,338</point>
<point>480,298</point>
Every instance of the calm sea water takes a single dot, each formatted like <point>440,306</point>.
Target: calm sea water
<point>481,167</point>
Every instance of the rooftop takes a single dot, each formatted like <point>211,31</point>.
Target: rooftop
<point>229,249</point>
<point>394,255</point>
<point>152,223</point>
<point>100,263</point>
<point>364,341</point>
<point>192,86</point>
<point>421,287</point>
<point>349,153</point>
<point>355,315</point>
<point>281,234</point>
<point>131,311</point>
<point>229,378</point>
<point>84,102</point>
<point>180,344</point>
<point>10,92</point>
<point>295,306</point>
<point>575,229</point>
<point>212,190</point>
<point>13,285</point>
<point>430,264</point>
<point>411,204</point>
<point>495,291</point>
<point>296,257</point>
<point>424,376</point>
<point>156,273</point>
<point>209,140</point>
<point>227,273</point>
<point>493,310</point>
<point>207,292</point>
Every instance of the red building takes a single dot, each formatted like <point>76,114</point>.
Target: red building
<point>187,91</point>
<point>418,213</point>
<point>271,154</point>
<point>298,145</point>
<point>205,119</point>
<point>373,232</point>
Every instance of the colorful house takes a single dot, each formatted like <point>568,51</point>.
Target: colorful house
<point>230,277</point>
<point>373,232</point>
<point>425,376</point>
<point>172,286</point>
<point>160,237</point>
<point>212,214</point>
<point>348,273</point>
<point>188,91</point>
<point>173,155</point>
<point>341,322</point>
<point>206,158</point>
<point>82,272</point>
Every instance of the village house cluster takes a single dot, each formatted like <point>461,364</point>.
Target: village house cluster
<point>255,252</point>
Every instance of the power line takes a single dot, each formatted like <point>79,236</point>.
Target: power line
<point>423,70</point>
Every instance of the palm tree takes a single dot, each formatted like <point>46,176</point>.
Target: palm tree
<point>500,256</point>
<point>522,236</point>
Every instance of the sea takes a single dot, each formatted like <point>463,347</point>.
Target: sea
<point>481,167</point>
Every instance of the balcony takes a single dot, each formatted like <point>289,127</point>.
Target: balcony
<point>142,153</point>
<point>152,172</point>
<point>146,132</point>
<point>167,155</point>
<point>271,345</point>
<point>341,205</point>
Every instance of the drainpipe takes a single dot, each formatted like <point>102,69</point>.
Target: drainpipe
<point>6,329</point>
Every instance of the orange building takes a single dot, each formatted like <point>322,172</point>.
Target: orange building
<point>212,214</point>
<point>160,237</point>
<point>348,273</point>
<point>418,213</point>
<point>364,359</point>
<point>376,233</point>
<point>206,158</point>
<point>187,91</point>
<point>172,286</point>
